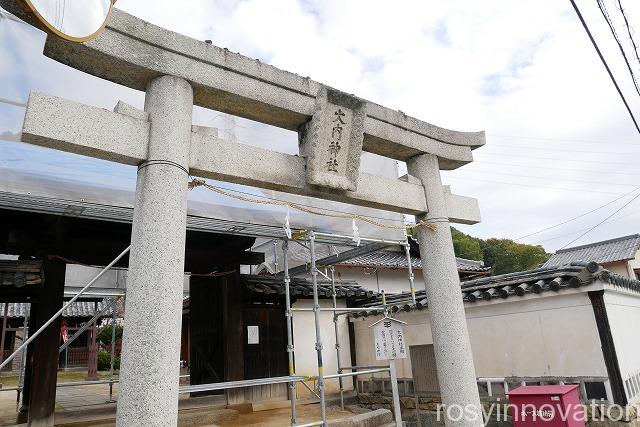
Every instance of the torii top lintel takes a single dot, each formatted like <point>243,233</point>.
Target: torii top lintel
<point>132,52</point>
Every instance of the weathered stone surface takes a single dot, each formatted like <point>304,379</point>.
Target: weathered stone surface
<point>129,110</point>
<point>408,402</point>
<point>332,141</point>
<point>452,348</point>
<point>132,52</point>
<point>356,409</point>
<point>149,375</point>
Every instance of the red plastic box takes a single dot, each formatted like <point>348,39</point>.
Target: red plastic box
<point>546,405</point>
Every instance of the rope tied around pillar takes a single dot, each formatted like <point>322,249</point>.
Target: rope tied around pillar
<point>195,182</point>
<point>153,162</point>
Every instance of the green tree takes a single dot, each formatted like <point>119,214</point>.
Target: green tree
<point>502,255</point>
<point>466,246</point>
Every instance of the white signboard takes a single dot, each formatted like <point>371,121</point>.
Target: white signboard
<point>253,335</point>
<point>389,340</point>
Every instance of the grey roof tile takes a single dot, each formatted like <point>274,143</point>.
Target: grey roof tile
<point>77,309</point>
<point>539,280</point>
<point>389,259</point>
<point>618,249</point>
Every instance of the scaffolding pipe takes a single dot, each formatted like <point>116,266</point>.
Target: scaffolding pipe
<point>23,358</point>
<point>362,239</point>
<point>316,316</point>
<point>335,328</point>
<point>407,252</point>
<point>314,423</point>
<point>86,325</point>
<point>64,307</point>
<point>355,374</point>
<point>346,309</point>
<point>397,412</point>
<point>113,350</point>
<point>289,315</point>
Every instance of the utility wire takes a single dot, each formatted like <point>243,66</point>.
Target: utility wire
<point>554,178</point>
<point>629,31</point>
<point>607,18</point>
<point>570,150</point>
<point>604,62</point>
<point>482,162</point>
<point>559,159</point>
<point>535,186</point>
<point>589,141</point>
<point>602,222</point>
<point>578,216</point>
<point>537,242</point>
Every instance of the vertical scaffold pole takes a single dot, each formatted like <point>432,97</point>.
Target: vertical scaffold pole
<point>393,376</point>
<point>113,349</point>
<point>316,315</point>
<point>289,314</point>
<point>335,327</point>
<point>407,252</point>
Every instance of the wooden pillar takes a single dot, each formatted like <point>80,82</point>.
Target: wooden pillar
<point>44,349</point>
<point>234,334</point>
<point>92,356</point>
<point>23,412</point>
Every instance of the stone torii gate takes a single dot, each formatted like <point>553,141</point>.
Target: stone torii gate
<point>177,72</point>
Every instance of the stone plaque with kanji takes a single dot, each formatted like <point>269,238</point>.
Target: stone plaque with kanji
<point>332,141</point>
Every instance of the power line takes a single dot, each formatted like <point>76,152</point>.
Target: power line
<point>602,222</point>
<point>607,18</point>
<point>588,141</point>
<point>559,159</point>
<point>604,62</point>
<point>626,23</point>
<point>553,168</point>
<point>578,216</point>
<point>554,178</point>
<point>537,242</point>
<point>569,150</point>
<point>534,186</point>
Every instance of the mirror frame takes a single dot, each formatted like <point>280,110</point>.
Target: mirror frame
<point>49,28</point>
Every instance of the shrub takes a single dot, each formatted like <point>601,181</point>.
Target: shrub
<point>104,361</point>
<point>104,334</point>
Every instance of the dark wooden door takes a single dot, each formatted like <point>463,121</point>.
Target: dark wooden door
<point>267,358</point>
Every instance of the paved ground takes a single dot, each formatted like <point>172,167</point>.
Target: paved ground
<point>73,403</point>
<point>67,399</point>
<point>282,417</point>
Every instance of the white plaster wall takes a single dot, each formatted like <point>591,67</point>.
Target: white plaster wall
<point>554,335</point>
<point>622,268</point>
<point>623,311</point>
<point>389,280</point>
<point>304,339</point>
<point>634,264</point>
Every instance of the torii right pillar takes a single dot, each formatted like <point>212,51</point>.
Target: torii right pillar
<point>454,361</point>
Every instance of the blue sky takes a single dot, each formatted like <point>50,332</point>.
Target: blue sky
<point>559,142</point>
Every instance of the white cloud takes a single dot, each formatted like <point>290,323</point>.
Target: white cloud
<point>513,68</point>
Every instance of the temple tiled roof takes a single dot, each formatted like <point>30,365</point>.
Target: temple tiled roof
<point>77,309</point>
<point>618,249</point>
<point>274,285</point>
<point>537,281</point>
<point>389,259</point>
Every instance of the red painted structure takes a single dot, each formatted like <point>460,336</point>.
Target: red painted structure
<point>547,405</point>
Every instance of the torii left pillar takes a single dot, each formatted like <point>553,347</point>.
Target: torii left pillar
<point>151,343</point>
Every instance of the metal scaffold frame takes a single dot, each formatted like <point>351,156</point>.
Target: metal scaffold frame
<point>311,238</point>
